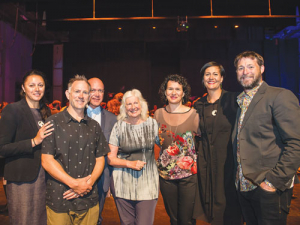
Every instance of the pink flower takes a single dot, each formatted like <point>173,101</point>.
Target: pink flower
<point>173,150</point>
<point>185,162</point>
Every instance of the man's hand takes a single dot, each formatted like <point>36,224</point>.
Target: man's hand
<point>266,187</point>
<point>70,194</point>
<point>81,186</point>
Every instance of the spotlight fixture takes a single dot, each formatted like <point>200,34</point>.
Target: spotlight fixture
<point>120,28</point>
<point>236,26</point>
<point>153,28</point>
<point>215,27</point>
<point>182,24</point>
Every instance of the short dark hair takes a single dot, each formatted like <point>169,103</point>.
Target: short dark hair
<point>179,79</point>
<point>210,64</point>
<point>251,55</point>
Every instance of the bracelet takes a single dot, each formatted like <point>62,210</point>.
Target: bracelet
<point>34,142</point>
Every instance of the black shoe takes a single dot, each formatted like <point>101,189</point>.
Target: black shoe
<point>3,208</point>
<point>294,196</point>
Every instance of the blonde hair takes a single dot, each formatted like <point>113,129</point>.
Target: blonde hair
<point>144,105</point>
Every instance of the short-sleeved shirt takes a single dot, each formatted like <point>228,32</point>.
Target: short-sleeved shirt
<point>75,146</point>
<point>136,142</point>
<point>178,158</point>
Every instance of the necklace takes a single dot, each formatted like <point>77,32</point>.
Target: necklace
<point>214,111</point>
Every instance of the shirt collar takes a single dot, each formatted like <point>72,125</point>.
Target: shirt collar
<point>69,118</point>
<point>250,94</point>
<point>96,110</point>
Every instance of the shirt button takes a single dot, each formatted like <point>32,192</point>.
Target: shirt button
<point>79,162</point>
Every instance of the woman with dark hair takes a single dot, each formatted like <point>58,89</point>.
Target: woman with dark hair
<point>177,161</point>
<point>21,134</point>
<point>217,112</point>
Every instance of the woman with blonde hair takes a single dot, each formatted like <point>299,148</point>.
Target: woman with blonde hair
<point>135,175</point>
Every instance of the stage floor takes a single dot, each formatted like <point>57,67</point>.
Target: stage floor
<point>110,214</point>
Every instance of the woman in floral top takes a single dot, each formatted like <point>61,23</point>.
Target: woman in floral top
<point>177,163</point>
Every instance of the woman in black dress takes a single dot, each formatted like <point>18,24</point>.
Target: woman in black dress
<point>217,112</point>
<point>21,134</point>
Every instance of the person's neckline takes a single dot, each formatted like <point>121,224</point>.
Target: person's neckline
<point>143,121</point>
<point>177,112</point>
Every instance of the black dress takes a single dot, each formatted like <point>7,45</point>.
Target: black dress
<point>217,192</point>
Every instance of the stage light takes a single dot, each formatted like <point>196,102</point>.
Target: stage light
<point>182,24</point>
<point>153,28</point>
<point>236,26</point>
<point>215,27</point>
<point>120,28</point>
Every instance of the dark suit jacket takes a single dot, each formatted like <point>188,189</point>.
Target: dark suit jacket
<point>270,137</point>
<point>108,120</point>
<point>18,127</point>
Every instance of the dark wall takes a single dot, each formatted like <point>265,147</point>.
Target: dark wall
<point>143,65</point>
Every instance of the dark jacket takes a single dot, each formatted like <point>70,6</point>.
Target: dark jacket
<point>108,120</point>
<point>216,163</point>
<point>270,137</point>
<point>17,128</point>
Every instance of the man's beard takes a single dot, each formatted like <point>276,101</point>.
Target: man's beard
<point>253,84</point>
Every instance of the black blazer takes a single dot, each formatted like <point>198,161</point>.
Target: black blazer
<point>270,137</point>
<point>17,128</point>
<point>108,120</point>
<point>216,161</point>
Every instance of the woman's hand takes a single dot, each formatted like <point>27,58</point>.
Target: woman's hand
<point>135,165</point>
<point>43,132</point>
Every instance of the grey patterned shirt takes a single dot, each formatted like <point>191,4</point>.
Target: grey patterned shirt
<point>136,142</point>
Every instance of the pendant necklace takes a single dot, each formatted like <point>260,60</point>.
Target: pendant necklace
<point>214,111</point>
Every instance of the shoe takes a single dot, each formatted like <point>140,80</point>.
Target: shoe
<point>294,196</point>
<point>3,208</point>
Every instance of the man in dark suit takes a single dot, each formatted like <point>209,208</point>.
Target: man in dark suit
<point>106,120</point>
<point>266,142</point>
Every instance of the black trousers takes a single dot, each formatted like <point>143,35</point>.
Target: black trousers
<point>179,199</point>
<point>260,207</point>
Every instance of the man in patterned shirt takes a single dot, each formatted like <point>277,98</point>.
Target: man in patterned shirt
<point>74,158</point>
<point>266,141</point>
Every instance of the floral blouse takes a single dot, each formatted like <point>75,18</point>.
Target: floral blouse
<point>178,158</point>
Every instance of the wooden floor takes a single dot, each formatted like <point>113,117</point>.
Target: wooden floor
<point>110,214</point>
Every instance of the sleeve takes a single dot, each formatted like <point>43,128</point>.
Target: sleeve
<point>9,126</point>
<point>114,136</point>
<point>155,116</point>
<point>196,123</point>
<point>102,145</point>
<point>286,117</point>
<point>156,127</point>
<point>49,144</point>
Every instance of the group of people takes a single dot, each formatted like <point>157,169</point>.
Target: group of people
<point>232,158</point>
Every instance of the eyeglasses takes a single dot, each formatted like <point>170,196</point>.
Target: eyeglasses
<point>100,91</point>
